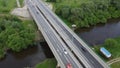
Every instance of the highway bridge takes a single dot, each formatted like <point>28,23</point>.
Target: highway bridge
<point>66,46</point>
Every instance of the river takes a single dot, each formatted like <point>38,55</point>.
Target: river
<point>27,58</point>
<point>96,35</point>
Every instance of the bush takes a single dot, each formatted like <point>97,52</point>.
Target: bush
<point>111,43</point>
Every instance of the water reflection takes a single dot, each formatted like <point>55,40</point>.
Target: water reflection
<point>27,58</point>
<point>97,34</point>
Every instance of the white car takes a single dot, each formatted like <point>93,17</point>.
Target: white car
<point>65,51</point>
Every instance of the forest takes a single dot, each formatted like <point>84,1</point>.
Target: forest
<point>85,13</point>
<point>15,34</point>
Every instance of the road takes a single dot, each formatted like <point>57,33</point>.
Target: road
<point>91,60</point>
<point>57,46</point>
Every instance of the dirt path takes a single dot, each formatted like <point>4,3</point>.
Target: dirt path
<point>113,61</point>
<point>22,12</point>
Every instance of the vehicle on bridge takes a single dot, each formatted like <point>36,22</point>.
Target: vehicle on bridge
<point>65,51</point>
<point>69,65</point>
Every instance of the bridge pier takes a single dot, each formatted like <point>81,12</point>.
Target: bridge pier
<point>39,37</point>
<point>58,66</point>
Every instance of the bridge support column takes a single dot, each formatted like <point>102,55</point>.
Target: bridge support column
<point>39,37</point>
<point>58,66</point>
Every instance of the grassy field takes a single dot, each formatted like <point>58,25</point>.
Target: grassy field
<point>49,63</point>
<point>21,2</point>
<point>7,5</point>
<point>116,65</point>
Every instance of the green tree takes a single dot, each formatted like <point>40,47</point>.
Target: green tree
<point>15,42</point>
<point>15,35</point>
<point>89,12</point>
<point>2,53</point>
<point>65,12</point>
<point>110,43</point>
<point>116,3</point>
<point>28,35</point>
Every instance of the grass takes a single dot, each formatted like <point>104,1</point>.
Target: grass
<point>49,63</point>
<point>30,23</point>
<point>21,2</point>
<point>115,65</point>
<point>7,5</point>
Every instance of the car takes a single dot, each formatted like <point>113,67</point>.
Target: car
<point>65,51</point>
<point>69,65</point>
<point>83,49</point>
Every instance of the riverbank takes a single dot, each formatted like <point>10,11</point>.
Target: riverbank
<point>25,58</point>
<point>48,63</point>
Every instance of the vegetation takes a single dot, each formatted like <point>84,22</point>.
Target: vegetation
<point>7,5</point>
<point>112,45</point>
<point>115,65</point>
<point>21,2</point>
<point>84,13</point>
<point>15,34</point>
<point>49,63</point>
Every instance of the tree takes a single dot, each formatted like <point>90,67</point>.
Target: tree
<point>15,35</point>
<point>28,34</point>
<point>110,43</point>
<point>15,42</point>
<point>2,53</point>
<point>3,38</point>
<point>116,3</point>
<point>89,12</point>
<point>65,12</point>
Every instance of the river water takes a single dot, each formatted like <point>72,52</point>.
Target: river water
<point>96,35</point>
<point>27,58</point>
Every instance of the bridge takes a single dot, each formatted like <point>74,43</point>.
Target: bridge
<point>66,46</point>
